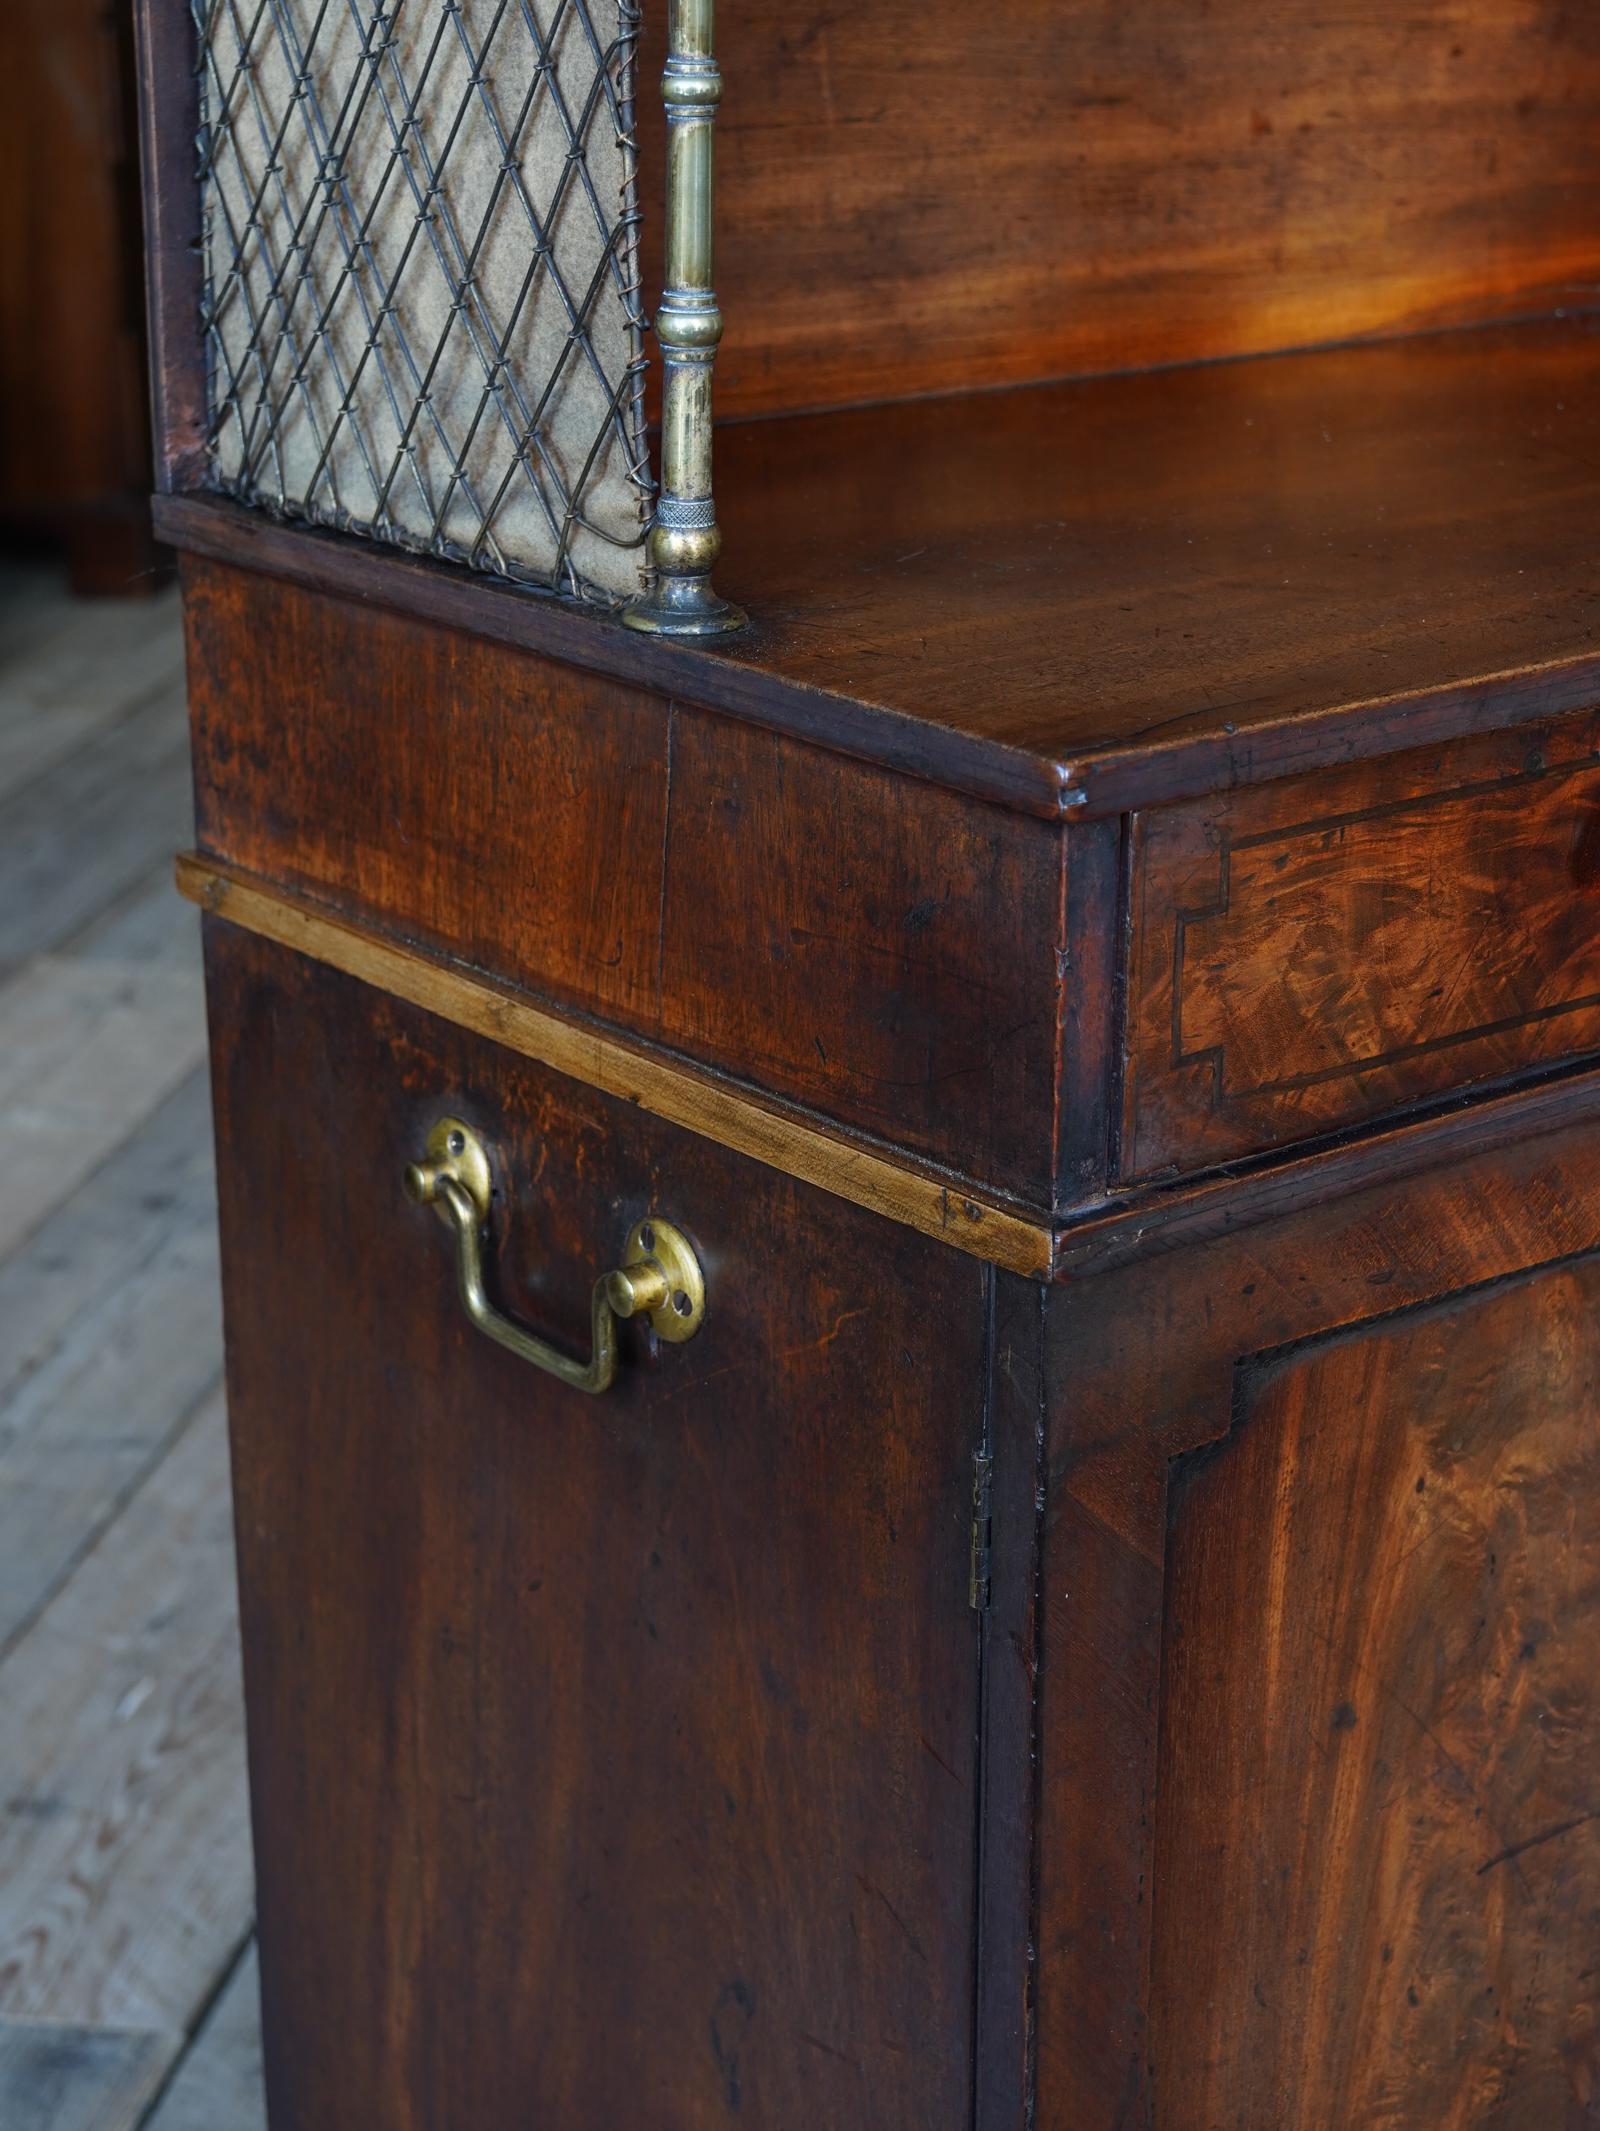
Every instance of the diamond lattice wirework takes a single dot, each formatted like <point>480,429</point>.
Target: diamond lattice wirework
<point>422,309</point>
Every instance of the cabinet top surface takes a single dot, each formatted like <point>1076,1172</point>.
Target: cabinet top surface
<point>1101,594</point>
<point>1158,578</point>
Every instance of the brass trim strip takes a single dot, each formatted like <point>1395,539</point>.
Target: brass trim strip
<point>983,1229</point>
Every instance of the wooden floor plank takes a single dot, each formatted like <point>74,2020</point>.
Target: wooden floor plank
<point>87,1051</point>
<point>150,923</point>
<point>85,831</point>
<point>35,606</point>
<point>58,2078</point>
<point>125,1880</point>
<point>160,1183</point>
<point>99,661</point>
<point>125,1874</point>
<point>218,2086</point>
<point>92,1420</point>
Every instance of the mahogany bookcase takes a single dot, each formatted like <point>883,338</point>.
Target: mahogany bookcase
<point>1087,1011</point>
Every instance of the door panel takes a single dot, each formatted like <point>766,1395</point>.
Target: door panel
<point>1378,1847</point>
<point>1319,1674</point>
<point>613,1758</point>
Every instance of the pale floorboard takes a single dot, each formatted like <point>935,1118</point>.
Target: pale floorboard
<point>81,679</point>
<point>127,1980</point>
<point>218,2087</point>
<point>87,1052</point>
<point>154,1188</point>
<point>125,1855</point>
<point>85,829</point>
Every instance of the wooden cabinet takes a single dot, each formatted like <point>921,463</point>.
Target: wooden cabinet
<point>1095,1630</point>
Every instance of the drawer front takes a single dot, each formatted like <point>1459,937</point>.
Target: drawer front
<point>609,1754</point>
<point>1310,955</point>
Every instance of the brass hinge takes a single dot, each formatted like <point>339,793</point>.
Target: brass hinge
<point>982,1515</point>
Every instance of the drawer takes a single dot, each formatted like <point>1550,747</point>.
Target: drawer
<point>608,1752</point>
<point>1310,955</point>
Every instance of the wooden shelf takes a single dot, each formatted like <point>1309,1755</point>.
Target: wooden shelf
<point>1098,595</point>
<point>1189,577</point>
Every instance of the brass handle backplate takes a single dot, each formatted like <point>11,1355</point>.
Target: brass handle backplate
<point>659,1277</point>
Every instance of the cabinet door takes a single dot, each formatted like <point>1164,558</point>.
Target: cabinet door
<point>613,1757</point>
<point>1322,1733</point>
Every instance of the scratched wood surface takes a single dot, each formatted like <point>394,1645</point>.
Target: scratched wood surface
<point>127,1988</point>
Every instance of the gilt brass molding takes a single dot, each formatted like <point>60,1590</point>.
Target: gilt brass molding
<point>767,1132</point>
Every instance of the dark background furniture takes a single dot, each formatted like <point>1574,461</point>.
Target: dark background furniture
<point>75,437</point>
<point>1099,1627</point>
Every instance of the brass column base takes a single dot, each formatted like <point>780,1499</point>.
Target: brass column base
<point>683,606</point>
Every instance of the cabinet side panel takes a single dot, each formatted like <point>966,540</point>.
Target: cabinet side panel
<point>879,950</point>
<point>612,1758</point>
<point>1378,1850</point>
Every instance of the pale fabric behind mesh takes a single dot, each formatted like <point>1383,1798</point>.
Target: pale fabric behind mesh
<point>422,313</point>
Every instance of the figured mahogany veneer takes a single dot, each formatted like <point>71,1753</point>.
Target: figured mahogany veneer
<point>931,970</point>
<point>1316,1640</point>
<point>1390,1770</point>
<point>1316,952</point>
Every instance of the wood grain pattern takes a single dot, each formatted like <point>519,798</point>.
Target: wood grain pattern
<point>824,932</point>
<point>1144,1367</point>
<point>925,200</point>
<point>1378,1848</point>
<point>1321,951</point>
<point>637,1754</point>
<point>1104,595</point>
<point>776,1138</point>
<point>75,670</point>
<point>94,1417</point>
<point>119,1843</point>
<point>83,829</point>
<point>921,202</point>
<point>124,1848</point>
<point>876,950</point>
<point>1014,1429</point>
<point>149,1199</point>
<point>87,1052</point>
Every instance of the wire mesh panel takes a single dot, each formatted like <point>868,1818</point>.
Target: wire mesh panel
<point>422,306</point>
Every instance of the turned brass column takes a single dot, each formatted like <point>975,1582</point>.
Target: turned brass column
<point>684,540</point>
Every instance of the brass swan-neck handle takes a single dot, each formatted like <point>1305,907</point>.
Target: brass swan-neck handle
<point>659,1277</point>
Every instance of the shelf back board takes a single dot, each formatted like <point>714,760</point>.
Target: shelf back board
<point>921,198</point>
